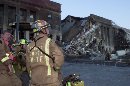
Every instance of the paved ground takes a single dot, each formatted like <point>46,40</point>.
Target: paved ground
<point>99,75</point>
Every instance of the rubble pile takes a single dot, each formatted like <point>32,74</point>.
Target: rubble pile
<point>94,36</point>
<point>84,43</point>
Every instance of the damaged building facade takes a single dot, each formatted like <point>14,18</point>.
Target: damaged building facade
<point>93,34</point>
<point>24,12</point>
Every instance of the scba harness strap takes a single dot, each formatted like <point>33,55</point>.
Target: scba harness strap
<point>53,59</point>
<point>46,53</point>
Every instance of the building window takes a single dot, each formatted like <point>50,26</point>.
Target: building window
<point>108,34</point>
<point>58,38</point>
<point>51,36</point>
<point>32,16</point>
<point>58,18</point>
<point>21,35</point>
<point>49,16</point>
<point>11,14</point>
<point>1,14</point>
<point>57,27</point>
<point>23,15</point>
<point>0,31</point>
<point>31,35</point>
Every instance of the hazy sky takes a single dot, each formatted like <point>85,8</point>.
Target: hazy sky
<point>116,10</point>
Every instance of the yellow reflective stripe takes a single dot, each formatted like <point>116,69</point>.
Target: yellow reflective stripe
<point>5,58</point>
<point>46,57</point>
<point>30,73</point>
<point>68,84</point>
<point>13,69</point>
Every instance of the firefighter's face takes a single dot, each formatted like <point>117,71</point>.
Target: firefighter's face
<point>7,36</point>
<point>46,31</point>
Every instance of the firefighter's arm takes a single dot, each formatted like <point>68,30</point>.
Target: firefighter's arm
<point>57,54</point>
<point>2,52</point>
<point>4,57</point>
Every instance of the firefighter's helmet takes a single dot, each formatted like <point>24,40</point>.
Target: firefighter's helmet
<point>39,25</point>
<point>23,41</point>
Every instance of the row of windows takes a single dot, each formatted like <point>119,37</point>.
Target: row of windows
<point>1,14</point>
<point>11,13</point>
<point>25,16</point>
<point>22,14</point>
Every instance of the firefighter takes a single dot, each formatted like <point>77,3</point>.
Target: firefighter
<point>73,80</point>
<point>20,64</point>
<point>7,73</point>
<point>23,43</point>
<point>44,57</point>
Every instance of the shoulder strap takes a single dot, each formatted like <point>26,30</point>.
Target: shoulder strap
<point>35,43</point>
<point>53,59</point>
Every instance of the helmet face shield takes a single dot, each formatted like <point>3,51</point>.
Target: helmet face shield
<point>45,26</point>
